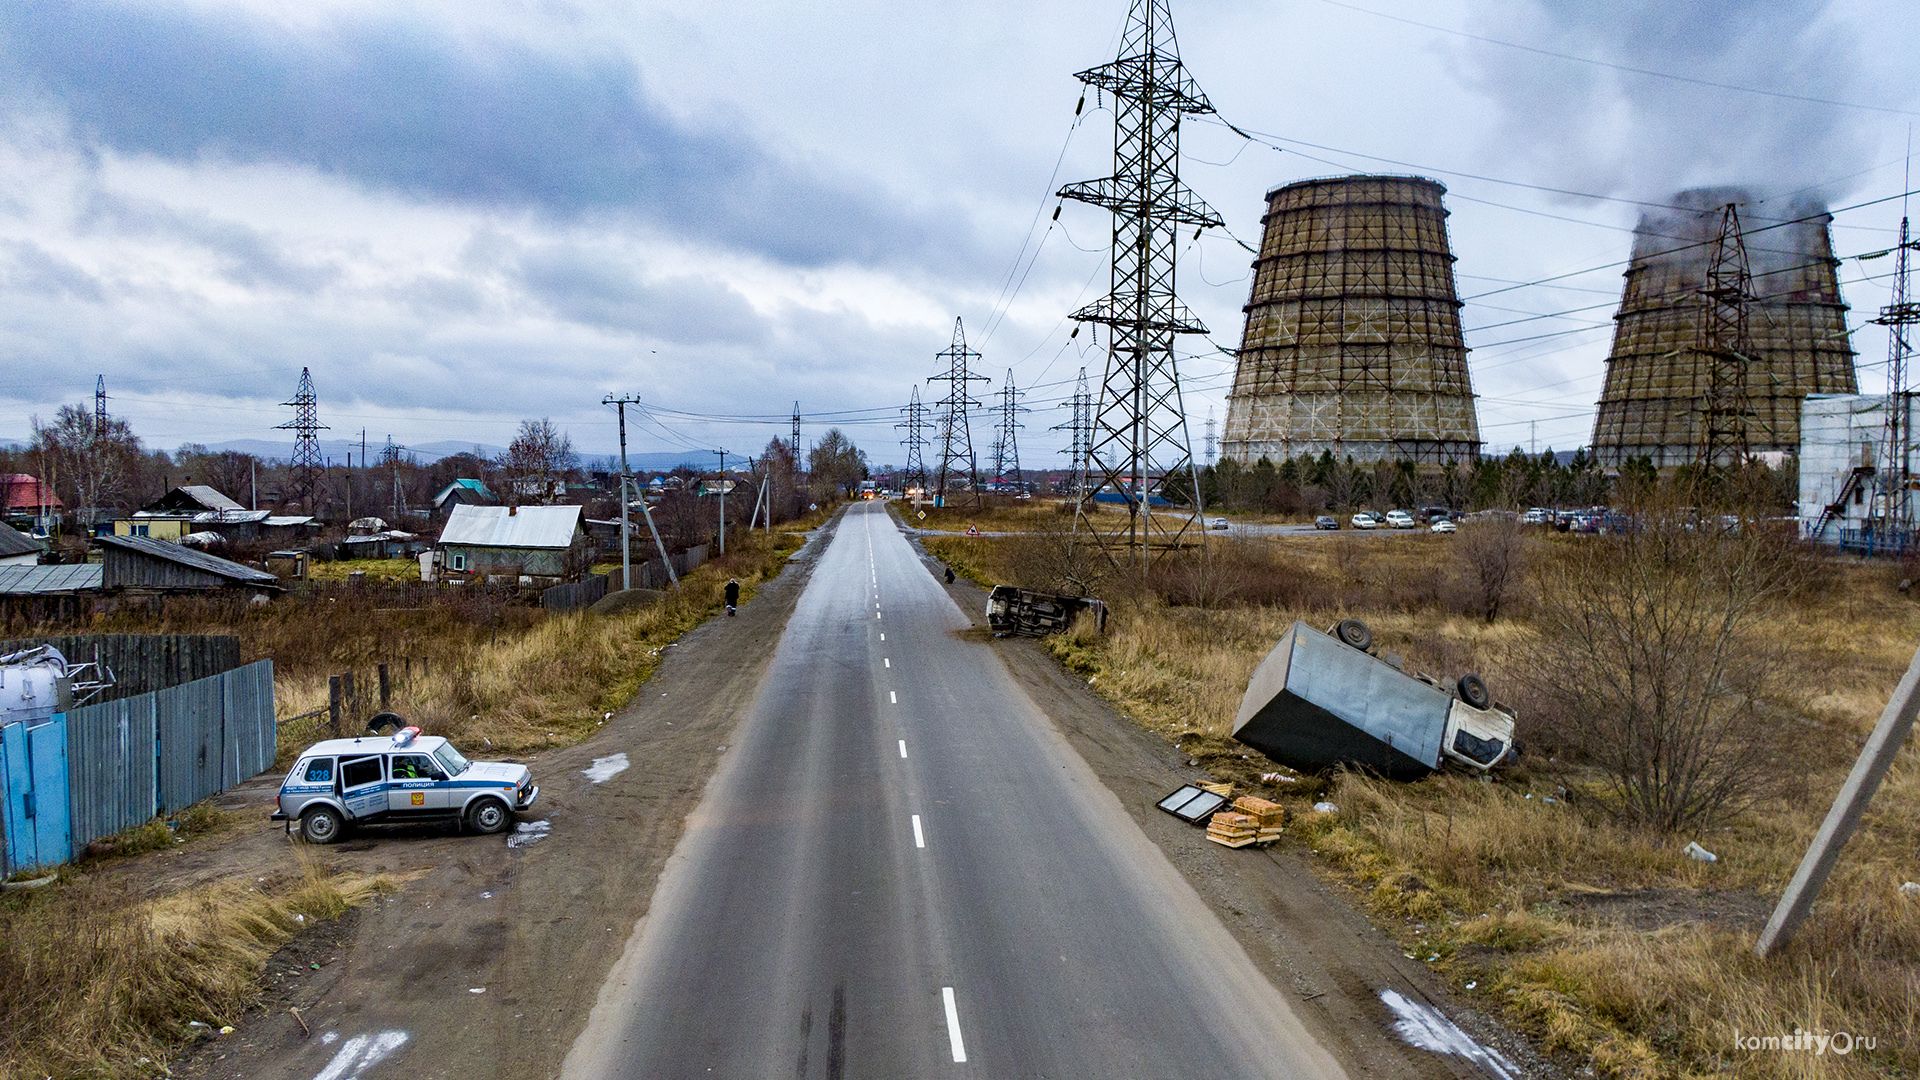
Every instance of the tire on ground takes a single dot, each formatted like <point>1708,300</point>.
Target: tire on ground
<point>488,816</point>
<point>321,825</point>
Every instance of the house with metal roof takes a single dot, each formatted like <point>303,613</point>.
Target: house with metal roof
<point>529,541</point>
<point>17,548</point>
<point>143,564</point>
<point>24,498</point>
<point>464,492</point>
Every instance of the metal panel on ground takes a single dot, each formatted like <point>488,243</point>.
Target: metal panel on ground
<point>191,742</point>
<point>33,774</point>
<point>250,733</point>
<point>110,756</point>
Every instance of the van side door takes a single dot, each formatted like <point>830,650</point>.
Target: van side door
<point>363,785</point>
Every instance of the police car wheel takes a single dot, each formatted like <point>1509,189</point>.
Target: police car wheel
<point>320,825</point>
<point>488,816</point>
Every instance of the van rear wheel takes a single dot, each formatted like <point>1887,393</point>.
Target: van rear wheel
<point>488,816</point>
<point>320,825</point>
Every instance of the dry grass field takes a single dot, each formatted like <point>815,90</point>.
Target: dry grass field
<point>1534,895</point>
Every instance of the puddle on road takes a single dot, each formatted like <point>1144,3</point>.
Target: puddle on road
<point>1427,1028</point>
<point>606,768</point>
<point>529,832</point>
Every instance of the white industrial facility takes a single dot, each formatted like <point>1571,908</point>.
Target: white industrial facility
<point>1842,441</point>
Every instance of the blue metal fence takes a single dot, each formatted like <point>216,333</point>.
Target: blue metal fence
<point>98,770</point>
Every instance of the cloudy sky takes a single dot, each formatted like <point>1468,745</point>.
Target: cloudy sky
<point>462,214</point>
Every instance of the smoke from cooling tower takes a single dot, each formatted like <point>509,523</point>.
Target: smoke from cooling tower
<point>1604,130</point>
<point>1659,370</point>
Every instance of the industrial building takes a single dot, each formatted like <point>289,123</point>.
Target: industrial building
<point>1352,342</point>
<point>1842,444</point>
<point>1654,401</point>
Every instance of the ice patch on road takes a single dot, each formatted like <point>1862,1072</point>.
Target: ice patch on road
<point>529,832</point>
<point>1427,1028</point>
<point>360,1053</point>
<point>606,768</point>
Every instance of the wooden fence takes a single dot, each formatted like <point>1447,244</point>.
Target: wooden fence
<point>143,663</point>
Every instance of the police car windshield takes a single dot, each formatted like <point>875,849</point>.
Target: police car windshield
<point>450,759</point>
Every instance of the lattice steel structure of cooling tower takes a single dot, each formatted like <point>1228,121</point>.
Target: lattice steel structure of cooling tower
<point>1658,374</point>
<point>1352,339</point>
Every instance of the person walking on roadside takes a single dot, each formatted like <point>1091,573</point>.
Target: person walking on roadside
<point>733,595</point>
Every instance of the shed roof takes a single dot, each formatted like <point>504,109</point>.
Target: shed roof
<point>20,491</point>
<point>506,527</point>
<point>31,580</point>
<point>14,542</point>
<point>198,560</point>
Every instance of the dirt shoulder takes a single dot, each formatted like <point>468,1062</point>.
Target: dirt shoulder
<point>488,963</point>
<point>1297,927</point>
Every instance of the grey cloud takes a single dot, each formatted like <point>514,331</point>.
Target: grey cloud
<point>247,256</point>
<point>1620,133</point>
<point>29,268</point>
<point>392,105</point>
<point>604,291</point>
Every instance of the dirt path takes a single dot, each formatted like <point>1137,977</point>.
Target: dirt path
<point>488,964</point>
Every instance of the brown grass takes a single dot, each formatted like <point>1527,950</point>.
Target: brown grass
<point>1602,941</point>
<point>96,981</point>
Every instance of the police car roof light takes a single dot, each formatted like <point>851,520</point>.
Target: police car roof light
<point>405,735</point>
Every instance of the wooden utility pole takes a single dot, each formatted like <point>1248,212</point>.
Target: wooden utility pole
<point>1868,770</point>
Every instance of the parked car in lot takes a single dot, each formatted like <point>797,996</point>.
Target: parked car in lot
<point>378,779</point>
<point>1363,520</point>
<point>1217,523</point>
<point>1399,519</point>
<point>1443,526</point>
<point>1538,515</point>
<point>1431,514</point>
<point>1326,521</point>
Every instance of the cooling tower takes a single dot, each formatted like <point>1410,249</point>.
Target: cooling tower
<point>1653,401</point>
<point>1352,340</point>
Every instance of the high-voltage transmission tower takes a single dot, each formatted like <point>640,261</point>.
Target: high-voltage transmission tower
<point>304,470</point>
<point>1080,427</point>
<point>1006,449</point>
<point>796,435</point>
<point>1140,428</point>
<point>1894,479</point>
<point>1725,348</point>
<point>916,425</point>
<point>1209,435</point>
<point>956,437</point>
<point>100,405</point>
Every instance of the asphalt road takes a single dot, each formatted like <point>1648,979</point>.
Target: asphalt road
<point>903,870</point>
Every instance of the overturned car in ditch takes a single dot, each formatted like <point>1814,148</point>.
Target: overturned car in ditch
<point>1025,612</point>
<point>1325,699</point>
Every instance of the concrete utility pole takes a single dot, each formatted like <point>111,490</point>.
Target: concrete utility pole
<point>723,500</point>
<point>1868,770</point>
<point>626,511</point>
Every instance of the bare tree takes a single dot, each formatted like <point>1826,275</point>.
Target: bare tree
<point>836,465</point>
<point>92,462</point>
<point>1491,557</point>
<point>538,457</point>
<point>1651,656</point>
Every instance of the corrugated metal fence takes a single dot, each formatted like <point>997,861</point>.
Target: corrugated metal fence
<point>143,663</point>
<point>129,759</point>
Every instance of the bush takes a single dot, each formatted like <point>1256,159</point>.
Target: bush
<point>1649,653</point>
<point>1490,554</point>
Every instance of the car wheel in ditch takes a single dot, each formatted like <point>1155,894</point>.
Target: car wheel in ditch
<point>320,825</point>
<point>1355,633</point>
<point>1473,691</point>
<point>488,816</point>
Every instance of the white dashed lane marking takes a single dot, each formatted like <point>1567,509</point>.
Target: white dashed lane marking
<point>919,838</point>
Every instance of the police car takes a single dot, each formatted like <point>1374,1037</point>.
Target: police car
<point>388,780</point>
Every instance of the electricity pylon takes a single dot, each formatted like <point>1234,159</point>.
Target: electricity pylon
<point>956,437</point>
<point>1006,449</point>
<point>304,472</point>
<point>1724,346</point>
<point>1080,427</point>
<point>916,425</point>
<point>1140,435</point>
<point>1894,476</point>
